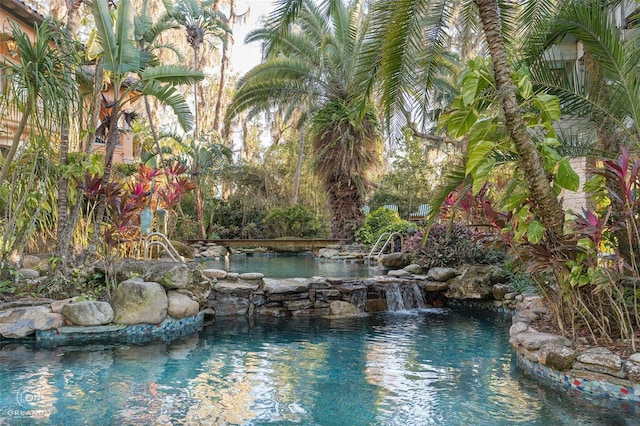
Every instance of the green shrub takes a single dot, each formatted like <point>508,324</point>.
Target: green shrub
<point>378,222</point>
<point>293,221</point>
<point>452,246</point>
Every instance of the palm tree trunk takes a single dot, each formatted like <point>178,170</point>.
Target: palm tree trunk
<point>296,182</point>
<point>63,192</point>
<point>224,64</point>
<point>547,205</point>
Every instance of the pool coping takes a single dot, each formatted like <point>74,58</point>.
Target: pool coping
<point>583,382</point>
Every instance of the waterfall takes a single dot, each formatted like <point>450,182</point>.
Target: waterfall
<point>404,298</point>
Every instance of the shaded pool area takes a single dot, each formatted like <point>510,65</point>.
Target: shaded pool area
<point>434,366</point>
<point>274,265</point>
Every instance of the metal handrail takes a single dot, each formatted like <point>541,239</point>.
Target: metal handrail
<point>165,244</point>
<point>386,244</point>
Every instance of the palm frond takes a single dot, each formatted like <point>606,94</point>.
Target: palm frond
<point>173,74</point>
<point>168,95</point>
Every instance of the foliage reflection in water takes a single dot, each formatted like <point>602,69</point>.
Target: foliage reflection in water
<point>437,367</point>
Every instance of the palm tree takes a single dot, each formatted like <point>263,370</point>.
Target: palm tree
<point>400,27</point>
<point>122,57</point>
<point>200,20</point>
<point>313,69</point>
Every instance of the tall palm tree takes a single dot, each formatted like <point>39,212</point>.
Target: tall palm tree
<point>201,20</point>
<point>313,68</point>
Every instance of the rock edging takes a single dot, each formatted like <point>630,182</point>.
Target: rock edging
<point>554,358</point>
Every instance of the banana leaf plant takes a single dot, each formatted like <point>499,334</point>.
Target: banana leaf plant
<point>131,77</point>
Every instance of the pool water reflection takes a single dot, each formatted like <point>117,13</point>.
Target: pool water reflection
<point>433,367</point>
<point>274,265</point>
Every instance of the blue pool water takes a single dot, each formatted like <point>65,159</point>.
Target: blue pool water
<point>288,266</point>
<point>434,367</point>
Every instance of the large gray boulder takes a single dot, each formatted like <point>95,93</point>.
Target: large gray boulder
<point>395,260</point>
<point>16,323</point>
<point>88,313</point>
<point>441,274</point>
<point>138,302</point>
<point>170,275</point>
<point>475,282</point>
<point>181,305</point>
<point>557,357</point>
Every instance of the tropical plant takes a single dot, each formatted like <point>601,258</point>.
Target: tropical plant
<point>451,245</point>
<point>41,91</point>
<point>378,222</point>
<point>293,221</point>
<point>116,45</point>
<point>399,29</point>
<point>312,66</point>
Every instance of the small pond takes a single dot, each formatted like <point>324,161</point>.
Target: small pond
<point>274,265</point>
<point>428,367</point>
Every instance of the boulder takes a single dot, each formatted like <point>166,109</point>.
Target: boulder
<point>632,368</point>
<point>519,327</point>
<point>600,360</point>
<point>414,269</point>
<point>215,273</point>
<point>181,305</point>
<point>434,285</point>
<point>475,282</point>
<point>398,273</point>
<point>57,305</point>
<point>170,275</point>
<point>328,253</point>
<point>394,260</point>
<point>138,302</point>
<point>183,249</point>
<point>342,308</point>
<point>288,285</point>
<point>441,274</point>
<point>499,291</point>
<point>251,276</point>
<point>28,273</point>
<point>215,251</point>
<point>16,323</point>
<point>237,288</point>
<point>532,341</point>
<point>88,313</point>
<point>556,357</point>
<point>30,261</point>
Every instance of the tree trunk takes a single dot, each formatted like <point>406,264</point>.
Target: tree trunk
<point>296,182</point>
<point>546,203</point>
<point>63,192</point>
<point>65,236</point>
<point>113,137</point>
<point>16,140</point>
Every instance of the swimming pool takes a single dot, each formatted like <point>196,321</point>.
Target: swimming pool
<point>432,367</point>
<point>274,265</point>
